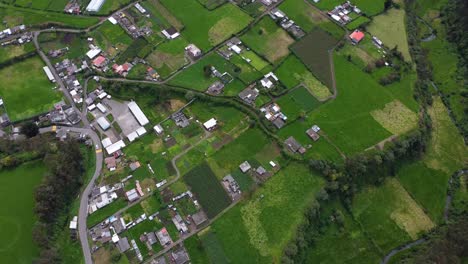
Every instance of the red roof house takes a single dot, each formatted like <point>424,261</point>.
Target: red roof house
<point>356,36</point>
<point>99,61</point>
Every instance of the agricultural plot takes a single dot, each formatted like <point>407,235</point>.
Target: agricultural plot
<point>41,4</point>
<point>396,118</point>
<point>303,14</point>
<point>268,40</point>
<point>16,215</point>
<point>313,51</point>
<point>292,73</point>
<point>207,189</point>
<point>213,247</point>
<point>76,44</point>
<point>207,28</point>
<point>297,102</point>
<point>369,7</point>
<point>196,252</point>
<point>16,15</point>
<point>110,6</point>
<point>245,71</point>
<point>358,22</point>
<point>196,78</point>
<point>390,216</point>
<point>265,223</point>
<point>168,57</point>
<point>12,51</point>
<point>111,38</point>
<point>390,28</point>
<point>256,61</point>
<point>26,91</point>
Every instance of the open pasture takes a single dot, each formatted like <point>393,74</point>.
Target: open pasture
<point>296,102</point>
<point>396,118</point>
<point>292,73</point>
<point>266,223</point>
<point>208,190</point>
<point>207,28</point>
<point>109,36</point>
<point>16,214</point>
<point>369,7</point>
<point>313,51</point>
<point>168,57</point>
<point>25,89</point>
<point>268,40</point>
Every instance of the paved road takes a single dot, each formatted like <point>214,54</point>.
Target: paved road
<point>83,211</point>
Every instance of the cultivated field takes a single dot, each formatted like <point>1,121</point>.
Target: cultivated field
<point>9,52</point>
<point>268,40</point>
<point>396,118</point>
<point>390,28</point>
<point>207,28</point>
<point>296,102</point>
<point>206,187</point>
<point>168,57</point>
<point>16,214</point>
<point>26,91</point>
<point>313,50</point>
<point>265,223</point>
<point>109,36</point>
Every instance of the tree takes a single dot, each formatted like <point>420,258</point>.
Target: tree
<point>207,71</point>
<point>387,4</point>
<point>30,129</point>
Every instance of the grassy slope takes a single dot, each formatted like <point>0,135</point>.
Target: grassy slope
<point>16,214</point>
<point>25,89</point>
<point>263,226</point>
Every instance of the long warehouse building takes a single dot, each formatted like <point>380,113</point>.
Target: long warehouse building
<point>95,5</point>
<point>49,74</point>
<point>139,115</point>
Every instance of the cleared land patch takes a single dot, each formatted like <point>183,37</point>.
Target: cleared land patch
<point>269,40</point>
<point>25,89</point>
<point>396,117</point>
<point>390,28</point>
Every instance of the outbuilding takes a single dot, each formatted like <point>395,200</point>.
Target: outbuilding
<point>210,124</point>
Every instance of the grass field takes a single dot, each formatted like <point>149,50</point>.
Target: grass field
<point>298,101</point>
<point>268,40</point>
<point>168,57</point>
<point>264,224</point>
<point>390,28</point>
<point>389,215</point>
<point>303,14</point>
<point>12,51</point>
<point>247,73</point>
<point>358,22</point>
<point>26,91</point>
<point>109,36</point>
<point>196,251</point>
<point>18,15</point>
<point>312,50</point>
<point>370,7</point>
<point>206,187</point>
<point>16,215</point>
<point>396,118</point>
<point>292,72</point>
<point>77,44</point>
<point>257,62</point>
<point>207,28</point>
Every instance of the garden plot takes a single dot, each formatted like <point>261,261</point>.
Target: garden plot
<point>268,40</point>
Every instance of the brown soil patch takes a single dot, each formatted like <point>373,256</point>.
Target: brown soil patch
<point>278,46</point>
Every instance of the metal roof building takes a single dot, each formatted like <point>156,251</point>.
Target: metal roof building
<point>94,5</point>
<point>115,147</point>
<point>139,115</point>
<point>49,74</point>
<point>103,123</point>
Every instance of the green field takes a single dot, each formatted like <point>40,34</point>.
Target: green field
<point>298,101</point>
<point>17,15</point>
<point>390,28</point>
<point>257,230</point>
<point>358,22</point>
<point>12,51</point>
<point>26,91</point>
<point>207,28</point>
<point>76,44</point>
<point>268,40</point>
<point>313,51</point>
<point>16,214</point>
<point>292,72</point>
<point>109,37</point>
<point>168,57</point>
<point>207,189</point>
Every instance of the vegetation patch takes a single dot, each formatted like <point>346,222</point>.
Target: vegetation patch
<point>168,57</point>
<point>396,118</point>
<point>297,102</point>
<point>370,7</point>
<point>207,189</point>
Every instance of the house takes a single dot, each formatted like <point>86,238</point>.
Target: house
<point>193,51</point>
<point>99,62</point>
<point>4,120</point>
<point>111,163</point>
<point>236,49</point>
<point>316,128</point>
<point>122,69</point>
<point>170,33</point>
<point>101,108</point>
<point>199,218</point>
<point>278,123</point>
<point>275,13</point>
<point>132,195</point>
<point>249,95</point>
<point>49,74</point>
<point>74,223</point>
<point>152,73</point>
<point>179,223</point>
<point>211,124</point>
<point>260,170</point>
<point>164,237</point>
<point>234,41</point>
<point>216,88</point>
<point>180,256</point>
<point>294,146</point>
<point>106,142</point>
<point>138,114</point>
<point>103,123</point>
<point>269,80</point>
<point>115,147</point>
<point>312,134</point>
<point>158,129</point>
<point>140,8</point>
<point>123,245</point>
<point>231,186</point>
<point>92,53</point>
<point>151,238</point>
<point>94,5</point>
<point>134,165</point>
<point>356,36</point>
<point>245,166</point>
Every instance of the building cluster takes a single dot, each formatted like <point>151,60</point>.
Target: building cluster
<point>15,36</point>
<point>341,13</point>
<point>273,113</point>
<point>67,71</point>
<point>287,24</point>
<point>249,94</point>
<point>73,7</point>
<point>95,5</point>
<point>127,23</point>
<point>63,114</point>
<point>103,196</point>
<point>232,187</point>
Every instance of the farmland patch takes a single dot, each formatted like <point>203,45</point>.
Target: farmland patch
<point>396,118</point>
<point>297,102</point>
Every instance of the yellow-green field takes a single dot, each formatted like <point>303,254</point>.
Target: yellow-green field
<point>396,118</point>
